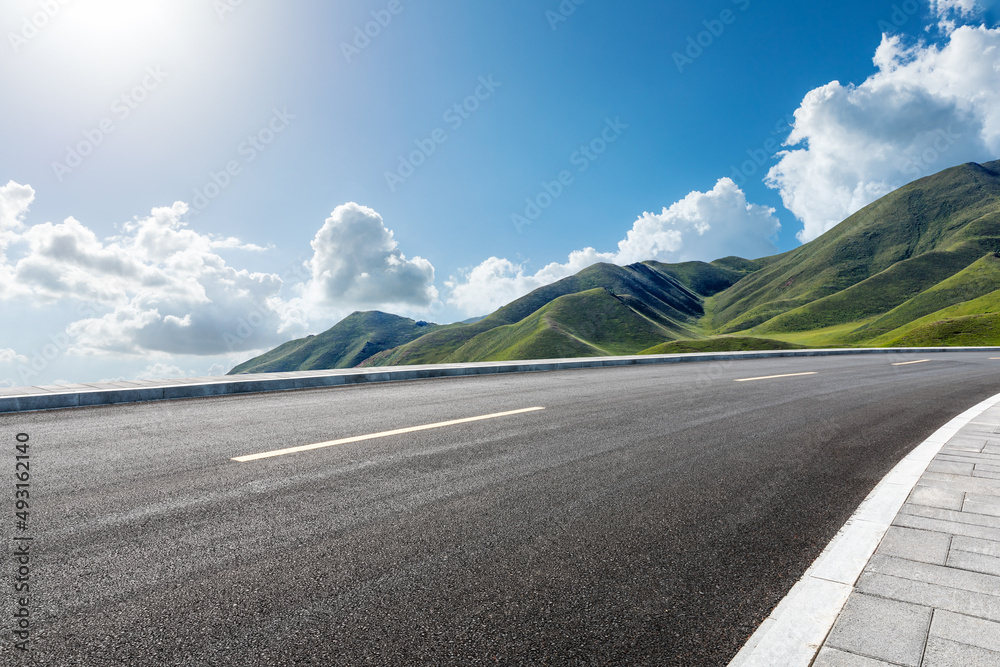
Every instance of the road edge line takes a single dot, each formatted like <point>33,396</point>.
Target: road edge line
<point>795,630</point>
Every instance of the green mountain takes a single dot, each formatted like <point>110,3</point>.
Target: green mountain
<point>920,266</point>
<point>354,339</point>
<point>651,302</point>
<point>880,257</point>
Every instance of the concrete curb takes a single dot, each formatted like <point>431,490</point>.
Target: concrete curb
<point>797,628</point>
<point>75,396</point>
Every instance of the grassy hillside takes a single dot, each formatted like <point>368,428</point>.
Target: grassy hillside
<point>880,293</point>
<point>657,295</point>
<point>591,323</point>
<point>937,213</point>
<point>969,330</point>
<point>988,304</point>
<point>346,345</point>
<point>972,282</point>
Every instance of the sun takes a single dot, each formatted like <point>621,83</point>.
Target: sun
<point>116,32</point>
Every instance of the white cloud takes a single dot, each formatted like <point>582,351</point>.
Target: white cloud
<point>159,286</point>
<point>927,108</point>
<point>162,286</point>
<point>8,355</point>
<point>946,8</point>
<point>702,226</point>
<point>357,264</point>
<point>14,202</point>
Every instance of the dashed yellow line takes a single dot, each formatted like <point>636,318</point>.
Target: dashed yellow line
<point>774,377</point>
<point>383,434</point>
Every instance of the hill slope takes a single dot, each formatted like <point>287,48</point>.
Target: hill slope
<point>955,213</point>
<point>354,339</point>
<point>663,294</point>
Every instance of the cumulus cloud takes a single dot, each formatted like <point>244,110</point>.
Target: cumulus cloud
<point>927,107</point>
<point>15,200</point>
<point>357,263</point>
<point>948,11</point>
<point>159,286</point>
<point>8,355</point>
<point>702,226</point>
<point>163,287</point>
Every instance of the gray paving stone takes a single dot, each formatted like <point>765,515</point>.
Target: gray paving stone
<point>991,449</point>
<point>952,468</point>
<point>975,430</point>
<point>944,653</point>
<point>950,527</point>
<point>884,629</point>
<point>831,657</point>
<point>966,630</point>
<point>985,475</point>
<point>935,574</point>
<point>974,562</point>
<point>982,504</point>
<point>976,546</point>
<point>970,449</point>
<point>966,443</point>
<point>987,467</point>
<point>919,545</point>
<point>951,515</point>
<point>936,496</point>
<point>970,485</point>
<point>969,457</point>
<point>930,595</point>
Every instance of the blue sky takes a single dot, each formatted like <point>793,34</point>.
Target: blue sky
<point>190,183</point>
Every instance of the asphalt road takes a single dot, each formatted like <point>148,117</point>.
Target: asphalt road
<point>648,515</point>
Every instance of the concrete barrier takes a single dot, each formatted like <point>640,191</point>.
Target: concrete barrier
<point>85,395</point>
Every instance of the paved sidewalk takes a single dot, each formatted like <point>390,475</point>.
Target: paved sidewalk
<point>930,595</point>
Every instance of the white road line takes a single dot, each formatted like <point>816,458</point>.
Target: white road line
<point>372,436</point>
<point>772,377</point>
<point>907,363</point>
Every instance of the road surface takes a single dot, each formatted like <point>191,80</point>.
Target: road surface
<point>649,515</point>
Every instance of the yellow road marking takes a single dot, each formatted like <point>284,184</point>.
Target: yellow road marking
<point>994,358</point>
<point>907,363</point>
<point>372,436</point>
<point>772,377</point>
